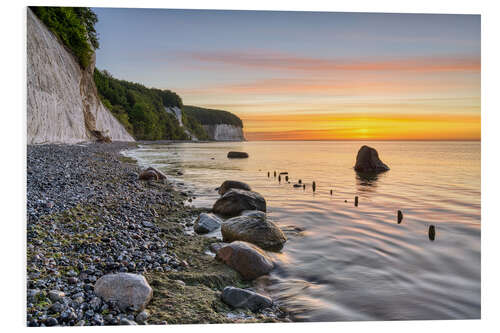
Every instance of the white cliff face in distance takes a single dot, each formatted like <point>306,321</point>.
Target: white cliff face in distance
<point>224,132</point>
<point>63,105</point>
<point>177,112</point>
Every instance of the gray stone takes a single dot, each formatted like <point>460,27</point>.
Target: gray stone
<point>56,295</point>
<point>142,317</point>
<point>206,223</point>
<point>125,321</point>
<point>234,201</point>
<point>32,294</point>
<point>254,228</point>
<point>246,299</point>
<point>127,289</point>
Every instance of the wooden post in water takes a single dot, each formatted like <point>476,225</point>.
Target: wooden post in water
<point>268,174</point>
<point>400,216</point>
<point>304,187</point>
<point>279,179</point>
<point>356,201</point>
<point>331,192</point>
<point>300,181</point>
<point>286,179</point>
<point>274,173</point>
<point>314,186</point>
<point>432,233</point>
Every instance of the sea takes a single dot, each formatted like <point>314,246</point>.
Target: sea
<point>344,262</point>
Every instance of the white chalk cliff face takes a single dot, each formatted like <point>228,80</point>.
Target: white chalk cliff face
<point>177,112</point>
<point>224,132</point>
<point>63,105</point>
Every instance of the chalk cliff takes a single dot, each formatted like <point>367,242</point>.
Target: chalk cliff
<point>177,112</point>
<point>63,105</point>
<point>224,132</point>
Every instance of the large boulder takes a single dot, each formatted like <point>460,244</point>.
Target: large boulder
<point>237,154</point>
<point>206,223</point>
<point>234,201</point>
<point>368,161</point>
<point>245,299</point>
<point>129,290</point>
<point>254,227</point>
<point>247,259</point>
<point>230,184</point>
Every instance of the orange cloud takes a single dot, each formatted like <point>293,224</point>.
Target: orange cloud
<point>280,61</point>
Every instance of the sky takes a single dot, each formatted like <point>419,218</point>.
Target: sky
<point>308,75</point>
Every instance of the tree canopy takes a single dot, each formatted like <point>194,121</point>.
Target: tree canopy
<point>74,26</point>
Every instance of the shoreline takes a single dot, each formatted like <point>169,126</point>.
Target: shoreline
<point>88,215</point>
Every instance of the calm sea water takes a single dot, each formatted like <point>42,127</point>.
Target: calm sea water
<point>356,263</point>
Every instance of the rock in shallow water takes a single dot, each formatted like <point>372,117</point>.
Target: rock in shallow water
<point>231,184</point>
<point>127,289</point>
<point>246,299</point>
<point>237,154</point>
<point>233,202</point>
<point>368,161</point>
<point>254,227</point>
<point>206,223</point>
<point>247,259</point>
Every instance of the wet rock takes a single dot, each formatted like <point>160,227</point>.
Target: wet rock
<point>127,289</point>
<point>237,154</point>
<point>231,184</point>
<point>206,223</point>
<point>148,175</point>
<point>233,202</point>
<point>245,299</point>
<point>254,228</point>
<point>247,259</point>
<point>159,174</point>
<point>368,161</point>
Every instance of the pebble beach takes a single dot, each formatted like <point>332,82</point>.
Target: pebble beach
<point>89,215</point>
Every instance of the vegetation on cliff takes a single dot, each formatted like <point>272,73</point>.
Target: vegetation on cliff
<point>211,116</point>
<point>74,26</point>
<point>140,109</point>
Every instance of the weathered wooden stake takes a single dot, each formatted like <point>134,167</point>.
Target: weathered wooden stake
<point>331,192</point>
<point>268,174</point>
<point>356,201</point>
<point>286,178</point>
<point>314,186</point>
<point>279,179</point>
<point>400,216</point>
<point>304,186</point>
<point>432,233</point>
<point>300,181</point>
<point>274,173</point>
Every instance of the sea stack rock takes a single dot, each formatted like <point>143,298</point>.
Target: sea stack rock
<point>368,161</point>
